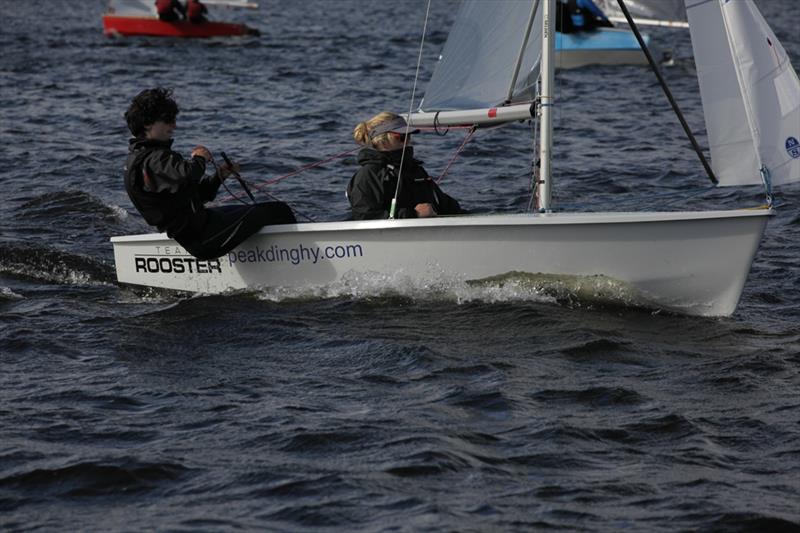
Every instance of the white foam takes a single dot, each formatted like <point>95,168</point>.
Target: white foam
<point>7,294</point>
<point>512,287</point>
<point>120,213</point>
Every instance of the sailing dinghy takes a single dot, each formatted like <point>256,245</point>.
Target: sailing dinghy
<point>129,18</point>
<point>665,13</point>
<point>601,46</point>
<point>687,262</point>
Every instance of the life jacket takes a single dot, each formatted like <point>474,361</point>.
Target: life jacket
<point>164,7</point>
<point>171,212</point>
<point>417,188</point>
<point>194,10</point>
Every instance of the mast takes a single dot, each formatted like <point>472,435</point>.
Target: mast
<point>546,105</point>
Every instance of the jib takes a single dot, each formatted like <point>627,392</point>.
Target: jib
<point>177,265</point>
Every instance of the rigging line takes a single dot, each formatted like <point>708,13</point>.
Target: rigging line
<point>244,183</point>
<point>436,125</point>
<point>238,197</point>
<point>238,177</point>
<point>467,137</point>
<point>667,92</point>
<point>234,196</point>
<point>435,128</point>
<point>310,166</point>
<point>533,172</point>
<point>410,110</point>
<point>259,186</point>
<point>222,181</point>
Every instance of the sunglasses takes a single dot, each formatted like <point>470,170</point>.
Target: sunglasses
<point>400,136</point>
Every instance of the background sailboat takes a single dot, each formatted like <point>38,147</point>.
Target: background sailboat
<point>130,18</point>
<point>596,43</point>
<point>669,13</point>
<point>602,46</point>
<point>691,262</point>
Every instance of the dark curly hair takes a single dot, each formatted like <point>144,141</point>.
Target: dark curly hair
<point>148,107</point>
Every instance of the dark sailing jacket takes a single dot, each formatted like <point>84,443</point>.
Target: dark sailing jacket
<point>372,187</point>
<point>168,190</point>
<point>579,15</point>
<point>169,10</point>
<point>195,12</point>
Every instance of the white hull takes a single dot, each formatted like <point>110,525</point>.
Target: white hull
<point>603,46</point>
<point>695,263</point>
<point>568,59</point>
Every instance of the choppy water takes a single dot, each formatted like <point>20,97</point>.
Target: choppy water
<point>377,407</point>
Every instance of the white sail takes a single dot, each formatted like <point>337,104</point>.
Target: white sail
<point>232,3</point>
<point>132,8</point>
<point>652,12</point>
<point>477,63</point>
<point>750,93</point>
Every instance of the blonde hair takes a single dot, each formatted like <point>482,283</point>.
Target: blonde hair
<point>363,129</point>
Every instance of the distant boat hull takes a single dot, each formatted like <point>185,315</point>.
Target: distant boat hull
<point>151,26</point>
<point>602,46</point>
<point>692,263</point>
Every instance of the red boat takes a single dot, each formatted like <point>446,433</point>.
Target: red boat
<point>129,26</point>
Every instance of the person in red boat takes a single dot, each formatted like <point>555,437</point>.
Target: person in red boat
<point>170,10</point>
<point>196,12</point>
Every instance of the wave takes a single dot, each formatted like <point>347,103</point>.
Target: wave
<point>94,478</point>
<point>7,294</point>
<point>514,287</point>
<point>591,397</point>
<point>54,266</point>
<point>750,521</point>
<point>54,204</point>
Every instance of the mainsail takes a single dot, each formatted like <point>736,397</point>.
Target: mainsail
<point>750,93</point>
<point>478,60</point>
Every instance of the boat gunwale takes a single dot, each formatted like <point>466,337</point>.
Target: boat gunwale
<point>489,220</point>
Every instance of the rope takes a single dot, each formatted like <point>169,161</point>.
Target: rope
<point>410,110</point>
<point>534,171</point>
<point>467,137</point>
<point>264,183</point>
<point>436,126</point>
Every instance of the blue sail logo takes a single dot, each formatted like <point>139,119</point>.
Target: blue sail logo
<point>793,147</point>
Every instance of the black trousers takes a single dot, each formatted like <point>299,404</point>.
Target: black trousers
<point>228,226</point>
<point>169,17</point>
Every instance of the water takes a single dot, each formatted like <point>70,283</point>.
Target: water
<point>383,406</point>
